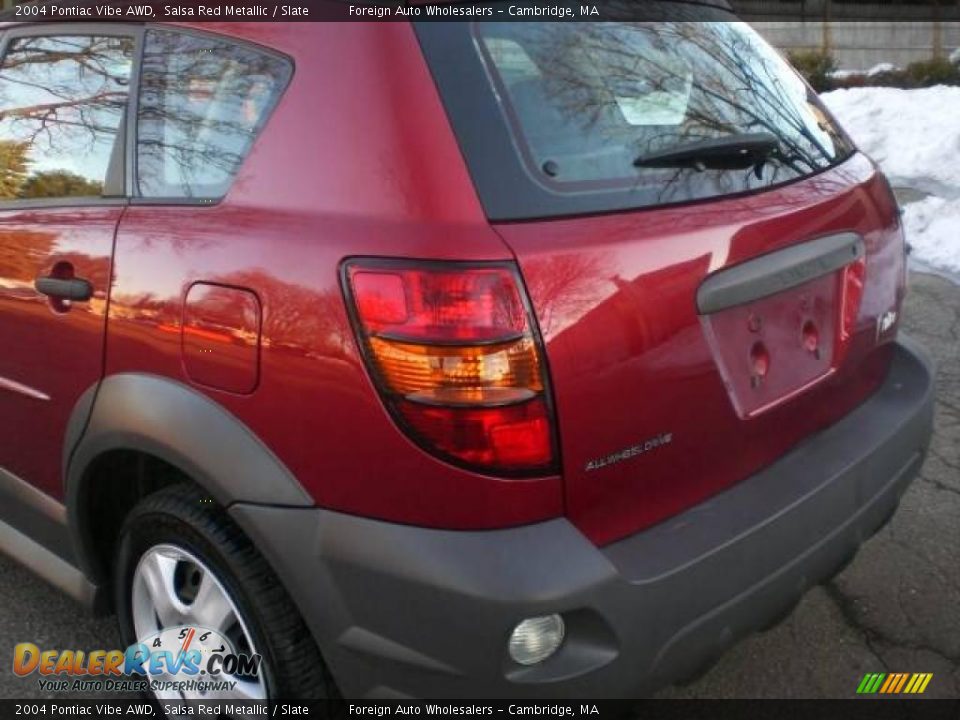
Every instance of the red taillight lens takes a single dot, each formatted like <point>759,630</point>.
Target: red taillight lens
<point>513,436</point>
<point>439,306</point>
<point>454,354</point>
<point>854,278</point>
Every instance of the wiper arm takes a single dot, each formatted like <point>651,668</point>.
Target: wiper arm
<point>731,151</point>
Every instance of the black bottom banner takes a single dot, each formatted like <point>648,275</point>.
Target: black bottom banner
<point>641,710</point>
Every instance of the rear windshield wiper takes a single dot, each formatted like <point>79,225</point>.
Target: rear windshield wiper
<point>730,151</point>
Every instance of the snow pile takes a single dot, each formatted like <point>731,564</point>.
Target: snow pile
<point>915,136</point>
<point>881,68</point>
<point>844,74</point>
<point>933,229</point>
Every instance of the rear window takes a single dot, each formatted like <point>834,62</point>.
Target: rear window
<point>567,118</point>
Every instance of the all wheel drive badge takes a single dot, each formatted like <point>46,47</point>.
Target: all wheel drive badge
<point>630,452</point>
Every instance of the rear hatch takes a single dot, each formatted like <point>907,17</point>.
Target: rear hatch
<point>716,272</point>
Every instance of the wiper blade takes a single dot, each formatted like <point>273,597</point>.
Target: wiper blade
<point>730,151</point>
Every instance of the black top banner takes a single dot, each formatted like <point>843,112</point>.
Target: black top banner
<point>456,10</point>
<point>357,11</point>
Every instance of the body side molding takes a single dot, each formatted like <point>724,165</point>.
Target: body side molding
<point>49,566</point>
<point>28,509</point>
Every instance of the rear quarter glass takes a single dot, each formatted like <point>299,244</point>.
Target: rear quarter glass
<point>552,116</point>
<point>204,99</point>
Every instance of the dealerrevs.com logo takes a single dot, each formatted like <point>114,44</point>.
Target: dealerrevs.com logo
<point>175,660</point>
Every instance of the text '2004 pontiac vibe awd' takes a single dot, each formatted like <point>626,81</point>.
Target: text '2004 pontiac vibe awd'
<point>442,359</point>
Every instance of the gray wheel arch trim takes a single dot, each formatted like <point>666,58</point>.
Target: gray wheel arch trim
<point>181,426</point>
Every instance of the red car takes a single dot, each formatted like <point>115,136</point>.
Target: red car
<point>442,359</point>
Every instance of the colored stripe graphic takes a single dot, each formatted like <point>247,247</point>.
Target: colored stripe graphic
<point>903,681</point>
<point>891,680</point>
<point>894,683</point>
<point>918,683</point>
<point>870,683</point>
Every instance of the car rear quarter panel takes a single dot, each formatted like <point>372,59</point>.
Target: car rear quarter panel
<point>358,159</point>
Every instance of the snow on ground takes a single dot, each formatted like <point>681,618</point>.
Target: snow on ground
<point>845,73</point>
<point>933,228</point>
<point>915,136</point>
<point>881,68</point>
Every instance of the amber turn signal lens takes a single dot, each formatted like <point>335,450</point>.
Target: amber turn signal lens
<point>478,374</point>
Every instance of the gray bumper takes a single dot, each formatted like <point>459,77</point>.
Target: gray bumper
<point>406,611</point>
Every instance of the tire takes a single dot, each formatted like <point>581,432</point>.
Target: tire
<point>181,521</point>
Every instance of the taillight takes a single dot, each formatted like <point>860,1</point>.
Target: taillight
<point>454,353</point>
<point>854,277</point>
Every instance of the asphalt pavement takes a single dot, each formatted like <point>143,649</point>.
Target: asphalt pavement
<point>896,608</point>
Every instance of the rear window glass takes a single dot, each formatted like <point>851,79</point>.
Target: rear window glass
<point>203,101</point>
<point>609,115</point>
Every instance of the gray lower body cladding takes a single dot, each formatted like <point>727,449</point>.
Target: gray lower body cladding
<point>406,611</point>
